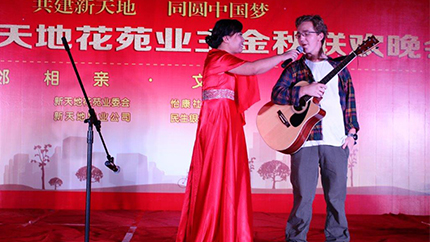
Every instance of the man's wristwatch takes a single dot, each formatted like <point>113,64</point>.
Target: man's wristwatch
<point>355,137</point>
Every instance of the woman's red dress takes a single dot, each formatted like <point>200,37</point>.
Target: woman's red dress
<point>217,205</point>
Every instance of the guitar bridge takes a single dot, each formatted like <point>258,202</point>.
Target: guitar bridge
<point>283,119</point>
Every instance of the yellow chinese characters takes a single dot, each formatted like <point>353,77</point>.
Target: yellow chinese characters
<point>124,7</point>
<point>203,9</point>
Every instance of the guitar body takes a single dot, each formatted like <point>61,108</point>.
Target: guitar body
<point>281,137</point>
<point>285,128</point>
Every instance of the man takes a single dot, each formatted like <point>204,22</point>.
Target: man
<point>331,139</point>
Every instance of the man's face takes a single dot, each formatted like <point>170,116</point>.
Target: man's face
<point>308,38</point>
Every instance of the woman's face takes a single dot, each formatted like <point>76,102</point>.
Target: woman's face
<point>235,43</point>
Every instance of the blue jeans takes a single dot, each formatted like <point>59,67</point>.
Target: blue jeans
<point>333,162</point>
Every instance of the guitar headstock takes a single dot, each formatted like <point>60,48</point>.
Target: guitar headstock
<point>367,45</point>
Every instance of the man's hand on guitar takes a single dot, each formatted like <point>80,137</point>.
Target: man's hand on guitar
<point>314,89</point>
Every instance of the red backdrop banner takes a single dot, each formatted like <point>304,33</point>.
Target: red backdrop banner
<point>141,64</point>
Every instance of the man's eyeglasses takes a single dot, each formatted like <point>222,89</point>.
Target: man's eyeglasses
<point>304,34</point>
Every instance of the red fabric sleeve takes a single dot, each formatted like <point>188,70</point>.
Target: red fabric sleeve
<point>247,90</point>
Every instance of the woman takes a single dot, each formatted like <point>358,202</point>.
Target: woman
<point>217,205</point>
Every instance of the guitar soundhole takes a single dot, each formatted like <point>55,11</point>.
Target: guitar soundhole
<point>298,108</point>
<point>297,118</point>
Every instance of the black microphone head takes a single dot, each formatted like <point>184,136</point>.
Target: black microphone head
<point>288,61</point>
<point>112,166</point>
<point>117,170</point>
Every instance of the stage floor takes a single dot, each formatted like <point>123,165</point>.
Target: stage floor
<point>130,225</point>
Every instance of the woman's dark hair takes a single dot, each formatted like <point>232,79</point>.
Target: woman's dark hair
<point>317,21</point>
<point>223,27</point>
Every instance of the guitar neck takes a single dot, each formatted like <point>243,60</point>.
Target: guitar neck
<point>332,73</point>
<point>338,68</point>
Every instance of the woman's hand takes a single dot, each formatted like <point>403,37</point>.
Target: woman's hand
<point>291,54</point>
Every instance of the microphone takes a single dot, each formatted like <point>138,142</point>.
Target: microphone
<point>288,61</point>
<point>109,163</point>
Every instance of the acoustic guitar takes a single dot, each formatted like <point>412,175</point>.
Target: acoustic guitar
<point>285,128</point>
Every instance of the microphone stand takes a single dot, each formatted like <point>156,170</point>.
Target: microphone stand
<point>92,121</point>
